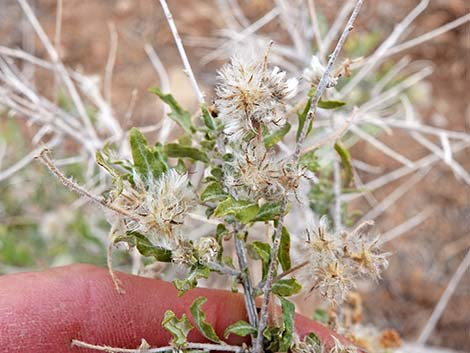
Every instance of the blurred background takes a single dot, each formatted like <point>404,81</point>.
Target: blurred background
<point>411,157</point>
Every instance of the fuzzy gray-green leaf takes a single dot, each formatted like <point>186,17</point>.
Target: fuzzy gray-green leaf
<point>330,104</point>
<point>240,328</point>
<point>288,312</point>
<point>177,150</point>
<point>243,210</point>
<point>178,329</point>
<point>268,212</point>
<point>177,113</point>
<point>200,319</point>
<point>276,136</point>
<point>148,161</point>
<point>213,192</point>
<point>286,287</point>
<point>284,250</point>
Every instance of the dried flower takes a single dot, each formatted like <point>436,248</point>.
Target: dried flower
<point>160,207</point>
<point>249,96</point>
<point>339,347</point>
<point>207,249</point>
<point>255,173</point>
<point>365,252</point>
<point>315,71</point>
<point>336,261</point>
<point>183,253</point>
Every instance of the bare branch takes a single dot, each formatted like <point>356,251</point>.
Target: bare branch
<point>182,52</point>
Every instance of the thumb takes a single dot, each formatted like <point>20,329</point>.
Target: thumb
<point>44,311</point>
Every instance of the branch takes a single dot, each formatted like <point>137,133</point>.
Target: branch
<point>246,280</point>
<point>46,160</point>
<point>444,300</point>
<point>182,52</point>
<point>325,78</point>
<point>195,346</point>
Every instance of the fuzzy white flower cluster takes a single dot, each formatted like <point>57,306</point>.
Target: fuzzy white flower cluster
<point>315,71</point>
<point>160,207</point>
<point>255,173</point>
<point>337,261</point>
<point>250,96</point>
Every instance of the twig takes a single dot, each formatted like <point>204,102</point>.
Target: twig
<point>325,78</point>
<point>195,346</point>
<point>108,71</point>
<point>263,318</point>
<point>23,162</point>
<point>337,195</point>
<point>109,261</point>
<point>284,274</point>
<point>381,51</point>
<point>165,86</point>
<point>381,146</point>
<point>182,52</point>
<point>444,300</point>
<point>223,269</point>
<point>44,158</point>
<point>394,196</point>
<point>316,27</point>
<point>60,68</point>
<point>405,226</point>
<point>430,35</point>
<point>246,280</point>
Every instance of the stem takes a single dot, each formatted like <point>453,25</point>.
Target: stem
<point>246,281</point>
<point>182,52</point>
<point>258,347</point>
<point>325,77</point>
<point>223,269</point>
<point>196,346</point>
<point>45,159</point>
<point>284,274</point>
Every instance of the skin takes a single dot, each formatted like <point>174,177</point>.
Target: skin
<point>42,312</point>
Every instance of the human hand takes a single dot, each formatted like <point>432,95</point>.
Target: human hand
<point>42,312</point>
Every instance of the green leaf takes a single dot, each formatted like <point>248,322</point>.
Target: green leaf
<point>146,248</point>
<point>330,104</point>
<point>302,116</point>
<point>177,113</point>
<point>179,329</point>
<point>179,151</point>
<point>101,161</point>
<point>321,315</point>
<point>286,287</point>
<point>284,250</point>
<point>260,251</point>
<point>148,161</point>
<point>200,319</point>
<point>207,118</point>
<point>268,212</point>
<point>309,160</point>
<point>288,312</point>
<point>276,136</point>
<point>346,160</point>
<point>190,282</point>
<point>240,328</point>
<point>213,192</point>
<point>243,210</point>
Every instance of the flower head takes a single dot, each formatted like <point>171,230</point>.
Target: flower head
<point>160,206</point>
<point>315,71</point>
<point>250,96</point>
<point>336,261</point>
